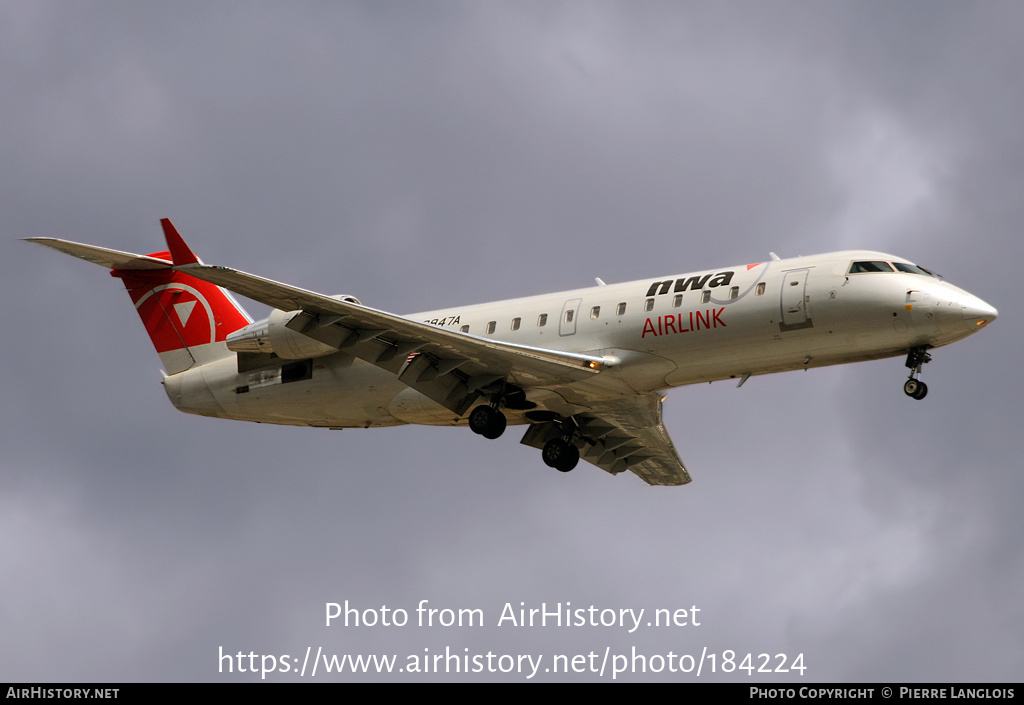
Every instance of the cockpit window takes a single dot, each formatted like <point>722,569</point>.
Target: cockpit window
<point>880,266</point>
<point>871,266</point>
<point>912,269</point>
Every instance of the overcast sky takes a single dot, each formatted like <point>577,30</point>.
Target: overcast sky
<point>426,154</point>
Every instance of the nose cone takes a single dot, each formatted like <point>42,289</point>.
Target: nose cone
<point>976,312</point>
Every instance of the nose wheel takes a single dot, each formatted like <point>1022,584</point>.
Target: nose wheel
<point>916,359</point>
<point>915,388</point>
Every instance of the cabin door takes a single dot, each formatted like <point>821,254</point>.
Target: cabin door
<point>794,300</point>
<point>570,312</point>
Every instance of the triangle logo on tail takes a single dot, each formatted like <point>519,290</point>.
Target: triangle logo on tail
<point>184,310</point>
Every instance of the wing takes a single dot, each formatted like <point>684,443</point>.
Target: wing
<point>451,368</point>
<point>624,434</point>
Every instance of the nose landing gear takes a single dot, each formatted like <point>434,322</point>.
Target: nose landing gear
<point>915,388</point>
<point>916,358</point>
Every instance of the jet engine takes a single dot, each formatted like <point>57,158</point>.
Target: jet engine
<point>272,335</point>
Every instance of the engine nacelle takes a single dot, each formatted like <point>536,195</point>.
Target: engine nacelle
<point>272,336</point>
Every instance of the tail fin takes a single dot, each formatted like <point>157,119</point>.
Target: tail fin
<point>186,318</point>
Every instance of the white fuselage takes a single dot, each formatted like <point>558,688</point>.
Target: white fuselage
<point>658,333</point>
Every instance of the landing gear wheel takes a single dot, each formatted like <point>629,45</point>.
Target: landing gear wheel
<point>916,359</point>
<point>487,421</point>
<point>915,389</point>
<point>560,454</point>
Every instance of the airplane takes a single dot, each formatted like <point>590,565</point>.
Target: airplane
<point>586,370</point>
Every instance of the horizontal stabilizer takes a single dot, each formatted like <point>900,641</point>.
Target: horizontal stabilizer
<point>187,319</point>
<point>111,259</point>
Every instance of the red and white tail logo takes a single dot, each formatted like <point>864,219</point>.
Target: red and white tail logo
<point>184,316</point>
<point>188,320</point>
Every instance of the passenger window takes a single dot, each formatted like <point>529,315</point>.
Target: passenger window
<point>465,329</point>
<point>595,312</point>
<point>677,301</point>
<point>705,296</point>
<point>542,320</point>
<point>568,315</point>
<point>648,304</point>
<point>620,309</point>
<point>516,322</point>
<point>491,326</point>
<point>760,288</point>
<point>734,293</point>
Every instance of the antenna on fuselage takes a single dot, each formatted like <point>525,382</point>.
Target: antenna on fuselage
<point>774,256</point>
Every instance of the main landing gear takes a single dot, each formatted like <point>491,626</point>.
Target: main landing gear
<point>487,420</point>
<point>916,358</point>
<point>558,452</point>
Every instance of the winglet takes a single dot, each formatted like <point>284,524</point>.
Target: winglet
<point>180,252</point>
